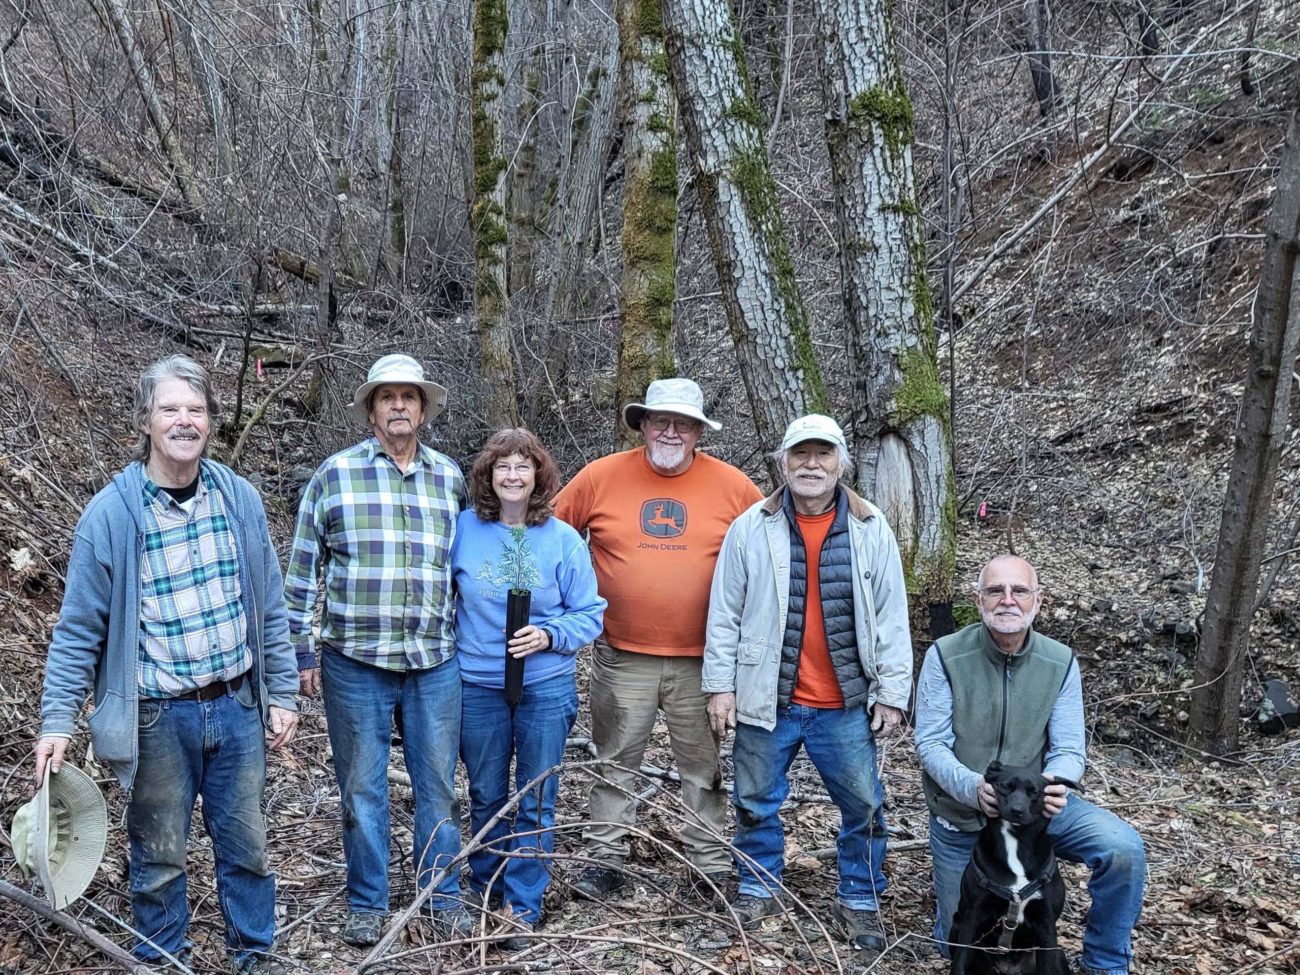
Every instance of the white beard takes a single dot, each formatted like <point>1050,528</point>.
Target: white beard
<point>1006,624</point>
<point>667,457</point>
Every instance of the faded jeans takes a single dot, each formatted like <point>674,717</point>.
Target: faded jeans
<point>359,703</point>
<point>215,749</point>
<point>533,735</point>
<point>840,744</point>
<point>1081,833</point>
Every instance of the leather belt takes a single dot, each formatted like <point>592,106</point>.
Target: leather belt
<point>214,690</point>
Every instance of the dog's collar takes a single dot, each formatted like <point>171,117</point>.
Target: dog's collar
<point>1014,898</point>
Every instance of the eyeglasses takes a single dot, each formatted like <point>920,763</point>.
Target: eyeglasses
<point>662,421</point>
<point>521,469</point>
<point>1018,593</point>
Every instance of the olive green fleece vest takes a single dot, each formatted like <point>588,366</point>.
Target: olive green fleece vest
<point>1000,707</point>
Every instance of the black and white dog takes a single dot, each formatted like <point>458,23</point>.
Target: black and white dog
<point>1011,892</point>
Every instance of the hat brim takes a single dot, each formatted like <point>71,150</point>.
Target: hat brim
<point>435,397</point>
<point>78,795</point>
<point>634,413</point>
<point>819,437</point>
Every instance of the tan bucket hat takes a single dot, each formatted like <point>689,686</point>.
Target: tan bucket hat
<point>60,835</point>
<point>680,396</point>
<point>398,369</point>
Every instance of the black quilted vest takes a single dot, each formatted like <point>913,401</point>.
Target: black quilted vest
<point>835,577</point>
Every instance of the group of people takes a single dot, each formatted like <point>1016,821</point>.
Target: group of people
<point>781,618</point>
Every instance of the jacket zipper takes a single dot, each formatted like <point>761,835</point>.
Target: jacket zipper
<point>1006,692</point>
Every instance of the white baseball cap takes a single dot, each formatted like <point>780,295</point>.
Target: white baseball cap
<point>814,426</point>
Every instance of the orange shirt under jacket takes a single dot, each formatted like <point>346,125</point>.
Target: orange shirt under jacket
<point>816,685</point>
<point>654,541</point>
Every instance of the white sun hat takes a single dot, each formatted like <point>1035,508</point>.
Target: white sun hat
<point>60,835</point>
<point>398,369</point>
<point>680,396</point>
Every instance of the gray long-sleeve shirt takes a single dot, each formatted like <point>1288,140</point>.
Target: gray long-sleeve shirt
<point>936,741</point>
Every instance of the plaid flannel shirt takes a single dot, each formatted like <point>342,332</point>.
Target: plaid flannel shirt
<point>192,626</point>
<point>382,540</point>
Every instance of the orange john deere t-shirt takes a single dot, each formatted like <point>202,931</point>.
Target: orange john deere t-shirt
<point>654,542</point>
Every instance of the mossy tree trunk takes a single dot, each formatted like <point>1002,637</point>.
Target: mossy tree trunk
<point>527,180</point>
<point>487,212</point>
<point>899,424</point>
<point>1261,433</point>
<point>645,350</point>
<point>724,139</point>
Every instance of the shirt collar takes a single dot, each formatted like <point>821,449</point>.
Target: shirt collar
<point>153,494</point>
<point>375,449</point>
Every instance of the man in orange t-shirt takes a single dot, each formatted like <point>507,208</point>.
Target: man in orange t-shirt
<point>808,647</point>
<point>656,516</point>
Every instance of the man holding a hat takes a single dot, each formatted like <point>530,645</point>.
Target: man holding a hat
<point>173,614</point>
<point>656,516</point>
<point>808,645</point>
<point>374,530</point>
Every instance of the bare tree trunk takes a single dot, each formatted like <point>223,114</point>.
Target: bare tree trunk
<point>389,143</point>
<point>337,185</point>
<point>487,214</point>
<point>1261,431</point>
<point>144,81</point>
<point>1038,33</point>
<point>723,126</point>
<point>197,26</point>
<point>900,419</point>
<point>527,182</point>
<point>645,350</point>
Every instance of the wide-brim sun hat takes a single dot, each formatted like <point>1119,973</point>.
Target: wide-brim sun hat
<point>813,426</point>
<point>60,835</point>
<point>680,396</point>
<point>398,369</point>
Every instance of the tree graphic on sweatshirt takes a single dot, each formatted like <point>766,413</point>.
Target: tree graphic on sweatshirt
<point>516,566</point>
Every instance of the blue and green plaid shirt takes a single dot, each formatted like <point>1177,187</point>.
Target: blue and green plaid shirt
<point>192,626</point>
<point>382,540</point>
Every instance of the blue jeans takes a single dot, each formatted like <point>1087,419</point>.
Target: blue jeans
<point>1081,833</point>
<point>215,749</point>
<point>359,703</point>
<point>840,745</point>
<point>534,735</point>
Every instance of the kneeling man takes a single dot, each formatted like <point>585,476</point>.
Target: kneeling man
<point>808,646</point>
<point>999,690</point>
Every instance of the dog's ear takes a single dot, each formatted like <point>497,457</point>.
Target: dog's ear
<point>992,773</point>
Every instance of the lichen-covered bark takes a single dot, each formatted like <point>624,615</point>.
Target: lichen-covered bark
<point>487,212</point>
<point>900,408</point>
<point>645,351</point>
<point>723,128</point>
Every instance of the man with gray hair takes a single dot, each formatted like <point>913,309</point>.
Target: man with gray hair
<point>808,646</point>
<point>656,516</point>
<point>374,535</point>
<point>1000,690</point>
<point>173,615</point>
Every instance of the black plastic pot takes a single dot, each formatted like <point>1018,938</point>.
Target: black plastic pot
<point>518,602</point>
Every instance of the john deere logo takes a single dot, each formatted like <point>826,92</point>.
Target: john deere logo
<point>663,518</point>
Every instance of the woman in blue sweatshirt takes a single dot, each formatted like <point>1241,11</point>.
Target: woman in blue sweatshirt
<point>510,540</point>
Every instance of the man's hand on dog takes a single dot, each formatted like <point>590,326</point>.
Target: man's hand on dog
<point>885,720</point>
<point>1054,798</point>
